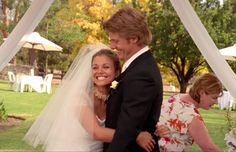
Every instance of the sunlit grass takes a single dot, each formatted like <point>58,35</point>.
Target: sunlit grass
<point>26,105</point>
<point>216,123</point>
<point>29,105</point>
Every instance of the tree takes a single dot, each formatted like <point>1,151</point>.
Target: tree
<point>10,13</point>
<point>72,23</point>
<point>173,47</point>
<point>88,15</point>
<point>57,25</point>
<point>56,28</point>
<point>229,21</point>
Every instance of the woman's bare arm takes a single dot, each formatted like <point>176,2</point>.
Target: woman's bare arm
<point>199,132</point>
<point>90,123</point>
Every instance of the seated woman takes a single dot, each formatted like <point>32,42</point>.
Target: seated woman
<point>180,113</point>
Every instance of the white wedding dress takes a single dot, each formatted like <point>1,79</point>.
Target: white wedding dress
<point>58,126</point>
<point>88,144</point>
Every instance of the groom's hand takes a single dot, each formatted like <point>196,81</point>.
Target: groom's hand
<point>145,141</point>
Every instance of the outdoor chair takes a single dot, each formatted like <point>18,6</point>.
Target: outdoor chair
<point>47,83</point>
<point>12,79</point>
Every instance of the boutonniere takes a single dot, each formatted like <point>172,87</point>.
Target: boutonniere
<point>114,84</point>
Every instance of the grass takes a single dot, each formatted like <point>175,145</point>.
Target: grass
<point>216,123</point>
<point>29,105</point>
<point>26,105</point>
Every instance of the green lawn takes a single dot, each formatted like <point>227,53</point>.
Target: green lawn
<point>216,123</point>
<point>29,105</point>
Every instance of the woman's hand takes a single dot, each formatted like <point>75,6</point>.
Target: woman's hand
<point>162,131</point>
<point>145,141</point>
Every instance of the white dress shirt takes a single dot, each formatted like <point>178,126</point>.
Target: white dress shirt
<point>133,57</point>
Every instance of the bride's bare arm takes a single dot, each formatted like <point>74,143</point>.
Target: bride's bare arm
<point>90,123</point>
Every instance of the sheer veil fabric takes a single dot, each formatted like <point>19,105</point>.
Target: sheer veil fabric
<point>58,128</point>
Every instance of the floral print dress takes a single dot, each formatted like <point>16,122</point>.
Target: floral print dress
<point>177,115</point>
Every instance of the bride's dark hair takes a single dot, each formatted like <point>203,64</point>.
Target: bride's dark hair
<point>109,53</point>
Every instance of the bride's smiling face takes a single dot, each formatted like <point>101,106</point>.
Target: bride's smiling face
<point>103,70</point>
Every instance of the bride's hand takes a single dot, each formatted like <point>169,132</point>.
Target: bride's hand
<point>145,141</point>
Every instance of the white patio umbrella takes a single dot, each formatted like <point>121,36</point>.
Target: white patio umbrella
<point>229,52</point>
<point>35,41</point>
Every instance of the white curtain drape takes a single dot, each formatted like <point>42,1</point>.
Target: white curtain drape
<point>26,25</point>
<point>205,44</point>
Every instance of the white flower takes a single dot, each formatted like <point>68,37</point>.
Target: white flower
<point>114,84</point>
<point>230,139</point>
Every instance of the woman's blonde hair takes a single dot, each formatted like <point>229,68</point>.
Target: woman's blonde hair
<point>129,23</point>
<point>207,82</point>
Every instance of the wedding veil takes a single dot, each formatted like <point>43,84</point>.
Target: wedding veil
<point>58,120</point>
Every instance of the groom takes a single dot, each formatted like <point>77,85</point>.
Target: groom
<point>135,103</point>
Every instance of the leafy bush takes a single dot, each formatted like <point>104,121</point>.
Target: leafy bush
<point>3,113</point>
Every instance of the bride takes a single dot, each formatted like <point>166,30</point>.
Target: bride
<point>73,118</point>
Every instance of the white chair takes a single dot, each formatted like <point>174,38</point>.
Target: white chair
<point>47,83</point>
<point>31,72</point>
<point>12,79</point>
<point>226,100</point>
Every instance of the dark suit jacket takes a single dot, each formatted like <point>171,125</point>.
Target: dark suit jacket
<point>135,104</point>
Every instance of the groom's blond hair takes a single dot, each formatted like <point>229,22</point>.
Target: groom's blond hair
<point>129,23</point>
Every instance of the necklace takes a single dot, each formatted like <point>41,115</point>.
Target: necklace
<point>100,95</point>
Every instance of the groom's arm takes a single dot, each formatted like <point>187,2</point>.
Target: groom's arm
<point>139,93</point>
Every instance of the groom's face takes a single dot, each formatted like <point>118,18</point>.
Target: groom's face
<point>124,47</point>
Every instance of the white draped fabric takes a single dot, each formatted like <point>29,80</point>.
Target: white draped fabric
<point>26,25</point>
<point>205,44</point>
